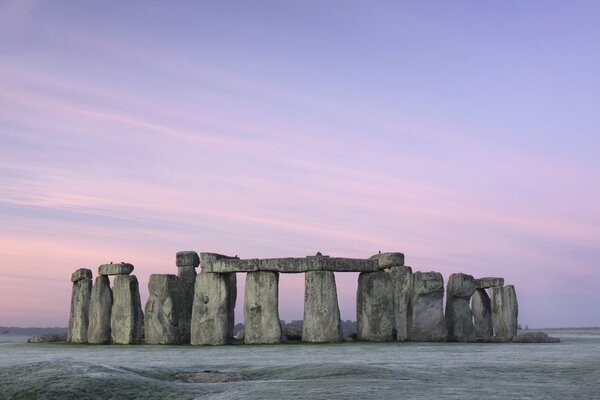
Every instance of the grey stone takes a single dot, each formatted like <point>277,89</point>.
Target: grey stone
<point>459,318</point>
<point>187,276</point>
<point>261,308</point>
<point>321,312</point>
<point>80,274</point>
<point>115,269</point>
<point>482,314</point>
<point>374,307</point>
<point>339,264</point>
<point>292,333</point>
<point>401,278</point>
<point>80,302</point>
<point>290,264</point>
<point>187,259</point>
<point>505,311</point>
<point>214,306</point>
<point>535,337</point>
<point>127,318</point>
<point>48,338</point>
<point>428,323</point>
<point>100,309</point>
<point>388,260</point>
<point>494,339</point>
<point>485,283</point>
<point>163,314</point>
<point>223,266</point>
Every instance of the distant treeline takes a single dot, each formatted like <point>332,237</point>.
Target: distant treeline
<point>13,330</point>
<point>348,327</point>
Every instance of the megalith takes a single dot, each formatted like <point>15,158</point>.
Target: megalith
<point>428,323</point>
<point>163,314</point>
<point>482,314</point>
<point>459,318</point>
<point>213,309</point>
<point>187,262</point>
<point>401,277</point>
<point>127,318</point>
<point>322,321</point>
<point>374,307</point>
<point>80,301</point>
<point>100,309</point>
<point>505,311</point>
<point>261,308</point>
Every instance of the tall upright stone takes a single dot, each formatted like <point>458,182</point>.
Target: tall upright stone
<point>428,323</point>
<point>459,318</point>
<point>164,314</point>
<point>322,321</point>
<point>100,309</point>
<point>80,301</point>
<point>127,318</point>
<point>505,311</point>
<point>401,277</point>
<point>482,314</point>
<point>213,309</point>
<point>261,308</point>
<point>187,262</point>
<point>374,307</point>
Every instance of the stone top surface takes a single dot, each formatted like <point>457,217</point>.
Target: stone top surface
<point>488,282</point>
<point>187,258</point>
<point>115,269</point>
<point>81,273</point>
<point>290,264</point>
<point>387,260</point>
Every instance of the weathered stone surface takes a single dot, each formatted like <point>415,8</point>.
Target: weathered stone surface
<point>291,333</point>
<point>127,318</point>
<point>388,260</point>
<point>187,259</point>
<point>494,339</point>
<point>223,266</point>
<point>261,308</point>
<point>115,269</point>
<point>100,309</point>
<point>459,319</point>
<point>290,264</point>
<point>163,315</point>
<point>428,323</point>
<point>401,278</point>
<point>187,276</point>
<point>481,307</point>
<point>485,283</point>
<point>214,306</point>
<point>81,273</point>
<point>321,312</point>
<point>340,264</point>
<point>374,307</point>
<point>535,337</point>
<point>48,338</point>
<point>505,311</point>
<point>80,302</point>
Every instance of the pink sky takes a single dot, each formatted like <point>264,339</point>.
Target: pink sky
<point>465,137</point>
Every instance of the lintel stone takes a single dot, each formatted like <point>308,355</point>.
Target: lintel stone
<point>115,269</point>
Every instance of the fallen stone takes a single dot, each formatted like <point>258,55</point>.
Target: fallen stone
<point>80,303</point>
<point>292,333</point>
<point>494,339</point>
<point>535,337</point>
<point>48,338</point>
<point>428,323</point>
<point>401,278</point>
<point>100,309</point>
<point>459,318</point>
<point>505,311</point>
<point>163,314</point>
<point>261,308</point>
<point>213,310</point>
<point>187,259</point>
<point>485,283</point>
<point>321,312</point>
<point>482,314</point>
<point>388,260</point>
<point>374,307</point>
<point>208,377</point>
<point>127,318</point>
<point>115,269</point>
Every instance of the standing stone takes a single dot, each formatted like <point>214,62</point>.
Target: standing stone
<point>100,308</point>
<point>80,301</point>
<point>482,314</point>
<point>321,312</point>
<point>163,315</point>
<point>261,308</point>
<point>459,319</point>
<point>374,307</point>
<point>505,311</point>
<point>214,306</point>
<point>127,319</point>
<point>428,323</point>
<point>187,262</point>
<point>401,293</point>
